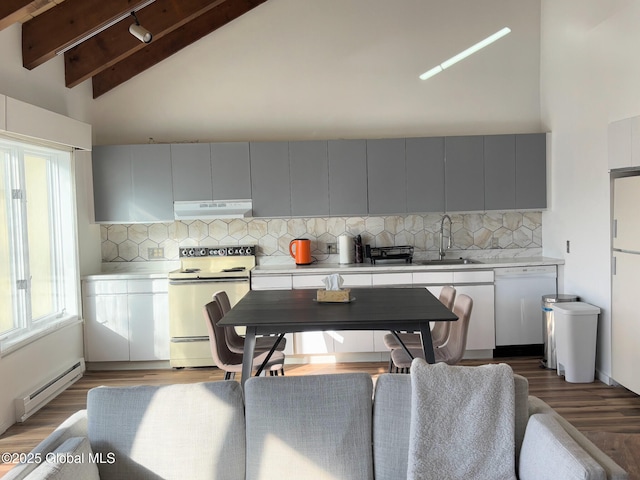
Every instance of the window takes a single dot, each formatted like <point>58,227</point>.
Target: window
<point>38,264</point>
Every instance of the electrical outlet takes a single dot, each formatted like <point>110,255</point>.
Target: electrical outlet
<point>155,253</point>
<point>332,248</point>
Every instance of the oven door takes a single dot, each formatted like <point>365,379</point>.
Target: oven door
<point>190,346</point>
<point>188,297</point>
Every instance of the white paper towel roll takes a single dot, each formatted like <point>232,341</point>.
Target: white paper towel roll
<point>346,249</point>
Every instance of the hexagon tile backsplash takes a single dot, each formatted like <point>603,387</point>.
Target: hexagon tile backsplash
<point>471,231</point>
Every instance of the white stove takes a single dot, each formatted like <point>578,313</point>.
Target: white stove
<point>203,271</point>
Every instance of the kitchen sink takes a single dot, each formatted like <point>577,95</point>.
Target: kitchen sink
<point>448,261</point>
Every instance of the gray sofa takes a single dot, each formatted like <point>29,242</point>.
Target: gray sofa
<point>304,427</point>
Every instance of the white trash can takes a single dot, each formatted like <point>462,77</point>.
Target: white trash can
<point>576,332</point>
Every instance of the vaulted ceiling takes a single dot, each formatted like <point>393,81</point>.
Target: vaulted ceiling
<point>93,35</point>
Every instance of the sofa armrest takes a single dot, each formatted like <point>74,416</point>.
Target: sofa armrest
<point>73,426</point>
<point>611,468</point>
<point>548,453</point>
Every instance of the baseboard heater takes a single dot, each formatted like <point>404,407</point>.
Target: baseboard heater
<point>29,403</point>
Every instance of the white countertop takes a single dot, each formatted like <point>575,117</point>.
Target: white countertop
<point>394,266</point>
<point>160,270</point>
<point>134,271</point>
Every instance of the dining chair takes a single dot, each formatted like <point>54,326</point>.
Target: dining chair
<point>439,332</point>
<point>235,342</point>
<point>452,351</point>
<point>228,361</point>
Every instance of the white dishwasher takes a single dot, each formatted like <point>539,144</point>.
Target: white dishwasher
<point>518,295</point>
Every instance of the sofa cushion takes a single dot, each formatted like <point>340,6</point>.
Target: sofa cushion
<point>309,427</point>
<point>74,426</point>
<point>193,431</point>
<point>392,420</point>
<point>70,461</point>
<point>611,468</point>
<point>462,422</point>
<point>391,423</point>
<point>562,458</point>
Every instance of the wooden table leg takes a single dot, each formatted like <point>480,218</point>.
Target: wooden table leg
<point>427,343</point>
<point>247,357</point>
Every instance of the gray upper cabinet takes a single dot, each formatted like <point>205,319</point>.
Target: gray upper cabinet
<point>231,170</point>
<point>347,177</point>
<point>425,174</point>
<point>464,173</point>
<point>309,178</point>
<point>500,172</point>
<point>112,193</point>
<point>531,171</point>
<point>386,176</point>
<point>151,183</point>
<point>132,183</point>
<point>191,166</point>
<point>270,185</point>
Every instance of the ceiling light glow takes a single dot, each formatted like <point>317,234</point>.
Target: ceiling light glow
<point>465,53</point>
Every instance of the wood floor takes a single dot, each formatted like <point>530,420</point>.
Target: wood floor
<point>609,416</point>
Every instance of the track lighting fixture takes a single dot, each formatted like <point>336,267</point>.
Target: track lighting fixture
<point>139,31</point>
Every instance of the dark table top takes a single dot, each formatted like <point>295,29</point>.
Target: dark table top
<point>276,311</point>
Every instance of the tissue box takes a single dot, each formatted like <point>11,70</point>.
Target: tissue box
<point>334,295</point>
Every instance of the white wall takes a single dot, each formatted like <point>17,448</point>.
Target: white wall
<point>590,76</point>
<point>292,69</point>
<point>35,363</point>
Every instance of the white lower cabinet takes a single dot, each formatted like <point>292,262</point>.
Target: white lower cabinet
<point>342,341</point>
<point>106,328</point>
<point>478,284</point>
<point>126,320</point>
<point>148,326</point>
<point>482,332</point>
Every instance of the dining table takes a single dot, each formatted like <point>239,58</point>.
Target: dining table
<point>277,312</point>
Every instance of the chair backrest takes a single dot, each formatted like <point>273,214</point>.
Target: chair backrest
<point>223,301</point>
<point>220,352</point>
<point>440,331</point>
<point>234,341</point>
<point>447,296</point>
<point>453,351</point>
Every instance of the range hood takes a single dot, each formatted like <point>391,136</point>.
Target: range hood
<point>207,209</point>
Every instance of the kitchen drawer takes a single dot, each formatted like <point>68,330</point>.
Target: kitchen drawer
<point>432,278</point>
<point>104,287</point>
<point>383,279</point>
<point>475,276</point>
<point>271,282</point>
<point>160,285</point>
<point>316,281</point>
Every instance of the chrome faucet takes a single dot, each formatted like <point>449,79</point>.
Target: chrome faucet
<point>441,252</point>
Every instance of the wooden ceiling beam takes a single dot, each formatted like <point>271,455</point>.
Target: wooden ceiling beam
<point>116,43</point>
<point>62,26</point>
<point>169,44</point>
<point>13,11</point>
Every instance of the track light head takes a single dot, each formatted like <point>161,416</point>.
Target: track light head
<point>139,31</point>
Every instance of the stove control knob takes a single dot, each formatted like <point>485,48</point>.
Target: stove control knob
<point>222,252</point>
<point>202,252</point>
<point>211,252</point>
<point>191,252</point>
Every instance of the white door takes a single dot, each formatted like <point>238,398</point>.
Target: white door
<point>481,334</point>
<point>625,321</point>
<point>149,326</point>
<point>106,328</point>
<point>626,234</point>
